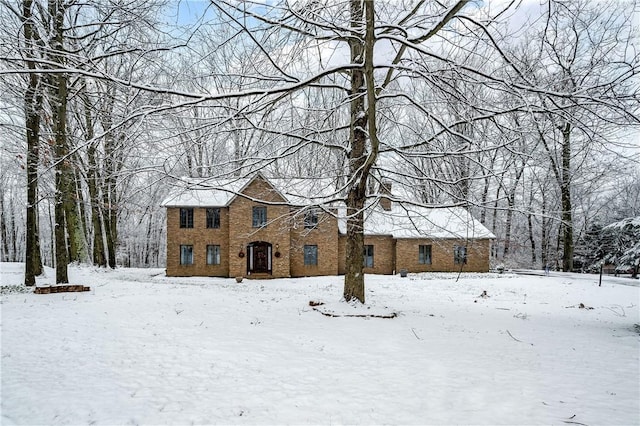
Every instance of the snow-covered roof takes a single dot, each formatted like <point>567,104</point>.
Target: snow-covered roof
<point>402,221</point>
<point>190,192</point>
<point>409,221</point>
<point>204,192</point>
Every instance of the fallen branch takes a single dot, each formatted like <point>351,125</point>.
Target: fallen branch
<point>623,314</point>
<point>414,333</point>
<point>580,306</point>
<point>511,335</point>
<point>328,314</point>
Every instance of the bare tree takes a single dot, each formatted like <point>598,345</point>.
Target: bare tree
<point>585,59</point>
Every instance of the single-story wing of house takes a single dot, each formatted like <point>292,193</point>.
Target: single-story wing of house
<point>260,227</point>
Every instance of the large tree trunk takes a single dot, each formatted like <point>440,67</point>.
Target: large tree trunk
<point>58,87</point>
<point>32,107</point>
<point>363,129</point>
<point>565,188</point>
<point>356,198</point>
<point>75,232</point>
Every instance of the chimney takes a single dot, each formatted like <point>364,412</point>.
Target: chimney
<point>385,194</point>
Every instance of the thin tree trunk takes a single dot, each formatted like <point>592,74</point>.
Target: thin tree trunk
<point>485,195</point>
<point>148,243</point>
<point>558,241</point>
<point>565,188</point>
<point>3,230</point>
<point>494,221</point>
<point>507,226</point>
<point>52,237</point>
<point>109,194</point>
<point>98,253</point>
<point>99,257</point>
<point>544,246</point>
<point>82,212</point>
<point>511,200</point>
<point>532,240</point>
<point>112,219</point>
<point>109,201</point>
<point>14,232</point>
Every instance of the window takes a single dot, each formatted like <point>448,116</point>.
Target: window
<point>311,219</point>
<point>186,255</point>
<point>310,255</point>
<point>368,256</point>
<point>213,218</point>
<point>213,255</point>
<point>459,255</point>
<point>424,255</point>
<point>259,217</point>
<point>186,218</point>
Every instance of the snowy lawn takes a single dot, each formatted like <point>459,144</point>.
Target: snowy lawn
<point>141,348</point>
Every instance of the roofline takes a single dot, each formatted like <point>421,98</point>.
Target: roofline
<point>423,237</point>
<point>444,238</point>
<point>250,181</point>
<point>192,206</point>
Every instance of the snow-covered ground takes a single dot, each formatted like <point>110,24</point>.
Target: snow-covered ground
<point>141,348</point>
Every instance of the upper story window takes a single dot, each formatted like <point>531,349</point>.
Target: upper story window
<point>311,219</point>
<point>186,218</point>
<point>213,218</point>
<point>424,255</point>
<point>259,216</point>
<point>368,256</point>
<point>459,255</point>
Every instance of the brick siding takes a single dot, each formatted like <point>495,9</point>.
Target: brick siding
<point>442,257</point>
<point>199,237</point>
<point>324,236</point>
<point>286,234</point>
<point>276,232</point>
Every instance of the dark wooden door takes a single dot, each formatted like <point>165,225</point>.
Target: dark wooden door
<point>259,258</point>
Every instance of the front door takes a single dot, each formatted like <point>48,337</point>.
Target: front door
<point>259,257</point>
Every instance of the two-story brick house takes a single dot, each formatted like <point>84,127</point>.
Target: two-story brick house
<point>266,228</point>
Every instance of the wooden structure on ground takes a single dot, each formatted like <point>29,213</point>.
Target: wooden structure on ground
<point>61,289</point>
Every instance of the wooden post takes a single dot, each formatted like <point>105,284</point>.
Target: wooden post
<point>600,283</point>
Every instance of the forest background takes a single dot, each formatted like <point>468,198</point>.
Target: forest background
<point>524,112</point>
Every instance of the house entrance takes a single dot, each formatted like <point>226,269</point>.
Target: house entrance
<point>259,257</point>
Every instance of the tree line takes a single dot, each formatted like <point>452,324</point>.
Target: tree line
<point>522,113</point>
